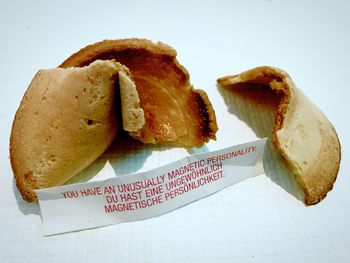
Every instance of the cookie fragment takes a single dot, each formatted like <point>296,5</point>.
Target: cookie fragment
<point>302,134</point>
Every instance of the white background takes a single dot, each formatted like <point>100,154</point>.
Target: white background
<point>254,221</point>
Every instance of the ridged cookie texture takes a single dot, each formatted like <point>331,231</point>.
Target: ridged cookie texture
<point>302,133</point>
<point>66,119</point>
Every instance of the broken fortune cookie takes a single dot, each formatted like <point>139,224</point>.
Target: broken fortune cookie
<point>302,134</point>
<point>174,112</point>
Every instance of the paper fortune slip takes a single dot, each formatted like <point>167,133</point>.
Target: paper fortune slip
<point>143,195</point>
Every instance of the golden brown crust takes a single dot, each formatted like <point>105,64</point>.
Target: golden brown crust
<point>66,119</point>
<point>174,111</point>
<point>302,133</point>
<point>108,48</point>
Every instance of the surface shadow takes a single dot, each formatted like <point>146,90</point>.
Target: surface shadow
<point>126,155</point>
<point>194,150</point>
<point>24,207</point>
<point>256,105</point>
<point>253,104</point>
<point>88,173</point>
<point>276,169</point>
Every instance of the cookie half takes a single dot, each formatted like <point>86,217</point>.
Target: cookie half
<point>302,133</point>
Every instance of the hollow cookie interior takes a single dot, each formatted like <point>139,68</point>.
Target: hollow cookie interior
<point>174,111</point>
<point>302,134</point>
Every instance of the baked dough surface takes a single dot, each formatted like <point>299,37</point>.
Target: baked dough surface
<point>302,133</point>
<point>66,119</point>
<point>174,111</point>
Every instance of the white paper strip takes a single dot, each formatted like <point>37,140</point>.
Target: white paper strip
<point>148,194</point>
